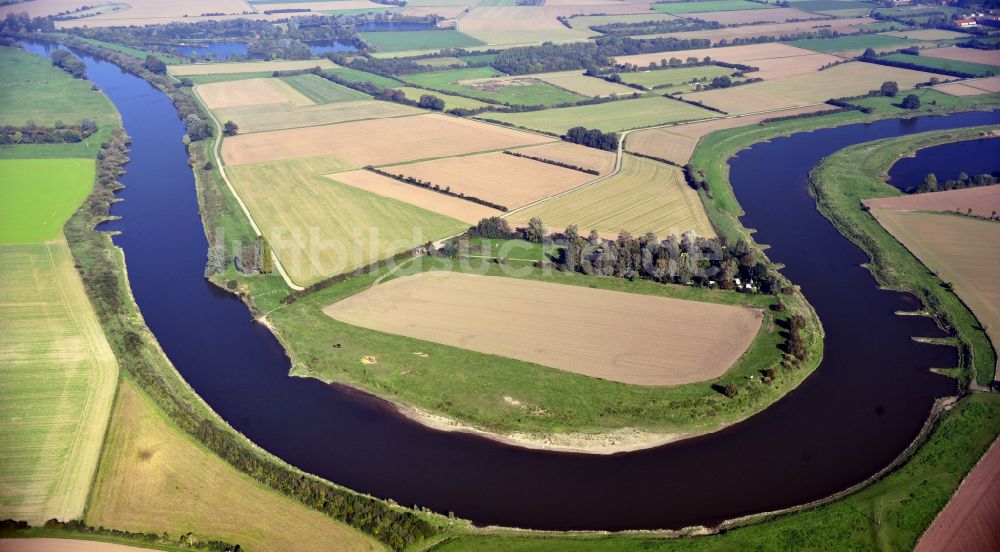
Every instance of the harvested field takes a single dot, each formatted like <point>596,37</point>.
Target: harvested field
<point>573,154</point>
<point>775,60</point>
<point>57,379</point>
<point>247,67</point>
<point>975,87</point>
<point>971,55</point>
<point>927,34</point>
<point>849,79</point>
<point>450,101</point>
<point>456,208</point>
<point>140,12</point>
<point>154,478</point>
<point>968,522</point>
<point>709,6</point>
<point>608,117</point>
<point>251,92</point>
<point>377,142</point>
<point>961,251</point>
<point>578,83</point>
<point>497,177</point>
<point>639,340</point>
<point>319,228</point>
<point>676,143</point>
<point>984,201</point>
<point>64,545</point>
<point>262,118</point>
<point>745,17</point>
<point>676,79</point>
<point>729,34</point>
<point>646,196</point>
<point>322,91</point>
<point>488,84</point>
<point>590,21</point>
<point>518,24</point>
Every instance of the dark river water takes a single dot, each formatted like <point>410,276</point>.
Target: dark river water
<point>864,404</point>
<point>946,162</point>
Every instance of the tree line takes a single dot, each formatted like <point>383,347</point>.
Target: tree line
<point>592,138</point>
<point>10,528</point>
<point>58,133</point>
<point>69,63</point>
<point>413,181</point>
<point>932,184</point>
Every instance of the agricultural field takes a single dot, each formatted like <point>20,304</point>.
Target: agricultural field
<point>608,117</point>
<point>730,34</point>
<point>192,69</point>
<point>850,43</point>
<point>450,101</point>
<point>634,341</point>
<point>497,177</point>
<point>573,154</point>
<point>322,91</point>
<point>377,142</point>
<point>488,84</point>
<point>709,6</point>
<point>983,201</point>
<point>926,34</point>
<point>953,247</point>
<point>578,83</point>
<point>252,92</point>
<point>263,118</point>
<point>971,87</point>
<point>745,17</point>
<point>932,63</point>
<point>775,59</point>
<point>453,207</point>
<point>37,196</point>
<point>676,143</point>
<point>839,8</point>
<point>849,79</point>
<point>969,55</point>
<point>401,41</point>
<point>153,471</point>
<point>589,21</point>
<point>498,25</point>
<point>646,196</point>
<point>675,79</point>
<point>440,62</point>
<point>348,74</point>
<point>33,89</point>
<point>320,228</point>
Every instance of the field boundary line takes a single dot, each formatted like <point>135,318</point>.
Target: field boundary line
<point>216,149</point>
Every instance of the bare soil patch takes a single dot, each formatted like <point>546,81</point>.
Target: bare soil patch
<point>775,60</point>
<point>843,26</point>
<point>572,154</point>
<point>456,208</point>
<point>969,522</point>
<point>990,85</point>
<point>983,201</point>
<point>634,339</point>
<point>376,142</point>
<point>251,92</point>
<point>64,545</point>
<point>247,67</point>
<point>503,179</point>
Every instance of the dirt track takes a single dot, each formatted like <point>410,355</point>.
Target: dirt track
<point>635,339</point>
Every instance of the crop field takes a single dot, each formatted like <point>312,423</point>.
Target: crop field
<point>251,92</point>
<point>849,79</point>
<point>857,42</point>
<point>487,83</point>
<point>956,248</point>
<point>926,34</point>
<point>450,101</point>
<point>932,63</point>
<point>970,55</point>
<point>58,382</point>
<point>61,544</point>
<point>453,207</point>
<point>155,478</point>
<point>573,154</point>
<point>676,143</point>
<point>983,201</point>
<point>646,196</point>
<point>377,142</point>
<point>320,228</point>
<point>824,6</point>
<point>971,87</point>
<point>610,116</point>
<point>322,91</point>
<point>774,59</point>
<point>588,21</point>
<point>32,88</point>
<point>37,196</point>
<point>500,178</point>
<point>247,67</point>
<point>745,17</point>
<point>675,78</point>
<point>401,41</point>
<point>578,83</point>
<point>440,62</point>
<point>709,6</point>
<point>262,118</point>
<point>518,25</point>
<point>729,34</point>
<point>635,340</point>
<point>353,75</point>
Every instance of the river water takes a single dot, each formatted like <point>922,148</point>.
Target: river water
<point>864,404</point>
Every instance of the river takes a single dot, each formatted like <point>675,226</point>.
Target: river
<point>864,404</point>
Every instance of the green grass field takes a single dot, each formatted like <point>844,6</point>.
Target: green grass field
<point>450,101</point>
<point>38,196</point>
<point>135,52</point>
<point>609,116</point>
<point>323,91</point>
<point>928,63</point>
<point>845,43</point>
<point>403,41</point>
<point>675,78</point>
<point>709,6</point>
<point>353,75</point>
<point>33,89</point>
<point>831,5</point>
<point>540,93</point>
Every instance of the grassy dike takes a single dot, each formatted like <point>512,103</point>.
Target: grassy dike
<point>895,510</point>
<point>842,180</point>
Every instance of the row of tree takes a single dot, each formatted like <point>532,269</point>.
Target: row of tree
<point>932,184</point>
<point>69,63</point>
<point>58,133</point>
